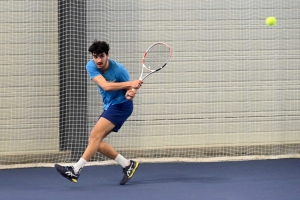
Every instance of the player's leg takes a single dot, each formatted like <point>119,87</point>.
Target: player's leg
<point>110,120</point>
<point>102,128</point>
<point>129,166</point>
<point>118,114</point>
<point>107,150</point>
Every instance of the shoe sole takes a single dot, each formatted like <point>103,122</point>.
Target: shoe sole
<point>74,180</point>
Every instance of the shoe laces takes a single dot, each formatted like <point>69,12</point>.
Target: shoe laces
<point>67,167</point>
<point>125,170</point>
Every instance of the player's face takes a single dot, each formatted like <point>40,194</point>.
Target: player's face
<point>101,60</point>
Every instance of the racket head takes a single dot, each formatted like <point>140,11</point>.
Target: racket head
<point>156,56</point>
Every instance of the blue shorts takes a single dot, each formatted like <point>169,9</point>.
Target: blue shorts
<point>118,114</point>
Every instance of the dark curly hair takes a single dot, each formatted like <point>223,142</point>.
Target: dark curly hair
<point>99,47</point>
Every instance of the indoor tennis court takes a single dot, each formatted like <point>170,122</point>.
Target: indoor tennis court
<point>260,179</point>
<point>221,121</point>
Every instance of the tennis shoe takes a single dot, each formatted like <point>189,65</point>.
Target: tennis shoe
<point>129,171</point>
<point>67,172</point>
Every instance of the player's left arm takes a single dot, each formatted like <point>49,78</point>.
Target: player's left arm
<point>130,94</point>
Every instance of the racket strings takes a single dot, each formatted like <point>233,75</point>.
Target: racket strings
<point>157,56</point>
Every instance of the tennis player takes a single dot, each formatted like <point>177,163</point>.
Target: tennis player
<point>117,92</point>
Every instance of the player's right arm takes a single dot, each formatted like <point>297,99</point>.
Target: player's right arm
<point>96,76</point>
<point>111,86</point>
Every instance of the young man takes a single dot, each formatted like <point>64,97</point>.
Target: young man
<point>117,92</point>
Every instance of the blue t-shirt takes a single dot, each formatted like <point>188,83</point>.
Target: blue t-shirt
<point>115,73</point>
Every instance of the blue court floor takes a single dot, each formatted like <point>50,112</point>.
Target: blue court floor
<point>246,180</point>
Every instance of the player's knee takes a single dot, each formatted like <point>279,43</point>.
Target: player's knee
<point>96,136</point>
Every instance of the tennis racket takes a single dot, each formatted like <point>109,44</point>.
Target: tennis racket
<point>155,58</point>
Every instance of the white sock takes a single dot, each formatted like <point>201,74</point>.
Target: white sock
<point>122,161</point>
<point>80,164</point>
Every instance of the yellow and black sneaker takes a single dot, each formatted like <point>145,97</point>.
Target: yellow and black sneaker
<point>129,171</point>
<point>67,172</point>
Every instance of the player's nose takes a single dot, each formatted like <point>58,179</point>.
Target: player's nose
<point>98,59</point>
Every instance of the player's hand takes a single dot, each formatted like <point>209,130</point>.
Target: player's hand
<point>136,84</point>
<point>130,94</point>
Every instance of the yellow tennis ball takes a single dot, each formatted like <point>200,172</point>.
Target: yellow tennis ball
<point>271,21</point>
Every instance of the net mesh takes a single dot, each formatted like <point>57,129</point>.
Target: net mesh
<point>230,92</point>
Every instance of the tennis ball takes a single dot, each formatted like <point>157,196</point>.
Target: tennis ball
<point>271,21</point>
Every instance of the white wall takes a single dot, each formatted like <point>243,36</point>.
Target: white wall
<point>29,73</point>
<point>232,80</point>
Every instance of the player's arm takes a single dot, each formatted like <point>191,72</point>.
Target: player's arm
<point>112,86</point>
<point>130,94</point>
